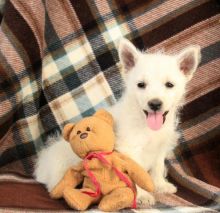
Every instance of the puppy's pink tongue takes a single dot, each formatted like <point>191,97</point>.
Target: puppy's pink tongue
<point>155,120</point>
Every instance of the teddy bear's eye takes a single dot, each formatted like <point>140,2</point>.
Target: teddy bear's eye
<point>78,132</point>
<point>88,129</point>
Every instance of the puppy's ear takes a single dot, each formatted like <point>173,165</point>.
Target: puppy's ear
<point>67,130</point>
<point>104,115</point>
<point>188,60</point>
<point>128,54</point>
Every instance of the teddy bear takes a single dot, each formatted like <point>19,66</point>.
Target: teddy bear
<point>108,177</point>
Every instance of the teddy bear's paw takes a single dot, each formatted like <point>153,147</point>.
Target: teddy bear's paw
<point>57,192</point>
<point>165,187</point>
<point>55,195</point>
<point>76,199</point>
<point>117,200</point>
<point>144,198</point>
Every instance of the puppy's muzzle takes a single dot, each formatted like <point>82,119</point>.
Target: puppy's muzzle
<point>155,104</point>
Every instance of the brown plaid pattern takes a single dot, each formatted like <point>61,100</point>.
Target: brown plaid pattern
<point>59,63</point>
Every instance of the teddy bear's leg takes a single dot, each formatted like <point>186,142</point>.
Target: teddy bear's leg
<point>78,200</point>
<point>71,178</point>
<point>118,199</point>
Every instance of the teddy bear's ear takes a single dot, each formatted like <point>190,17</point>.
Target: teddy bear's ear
<point>104,115</point>
<point>67,130</point>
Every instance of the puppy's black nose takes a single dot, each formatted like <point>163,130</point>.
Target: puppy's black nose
<point>155,104</point>
<point>83,135</point>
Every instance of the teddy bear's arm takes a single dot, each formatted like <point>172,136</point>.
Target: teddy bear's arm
<point>136,173</point>
<point>71,178</point>
<point>78,168</point>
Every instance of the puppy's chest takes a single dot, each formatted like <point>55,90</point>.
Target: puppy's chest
<point>146,140</point>
<point>144,147</point>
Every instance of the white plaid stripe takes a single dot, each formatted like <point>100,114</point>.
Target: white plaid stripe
<point>79,52</point>
<point>64,108</point>
<point>97,89</point>
<point>115,31</point>
<point>50,71</point>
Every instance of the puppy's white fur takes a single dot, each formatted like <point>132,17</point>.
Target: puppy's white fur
<point>134,137</point>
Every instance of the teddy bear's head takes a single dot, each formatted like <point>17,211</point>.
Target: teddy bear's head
<point>94,133</point>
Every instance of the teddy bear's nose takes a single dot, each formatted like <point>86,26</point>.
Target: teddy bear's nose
<point>83,135</point>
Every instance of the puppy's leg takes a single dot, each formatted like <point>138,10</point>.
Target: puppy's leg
<point>144,197</point>
<point>158,173</point>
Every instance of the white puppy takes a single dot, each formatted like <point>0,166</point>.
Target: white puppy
<point>145,117</point>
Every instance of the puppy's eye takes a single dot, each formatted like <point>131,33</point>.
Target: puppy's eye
<point>78,132</point>
<point>88,129</point>
<point>169,84</point>
<point>141,85</point>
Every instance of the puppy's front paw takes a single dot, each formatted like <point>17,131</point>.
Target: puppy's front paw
<point>145,198</point>
<point>165,187</point>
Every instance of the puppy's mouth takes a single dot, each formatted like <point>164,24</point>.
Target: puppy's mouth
<point>155,120</point>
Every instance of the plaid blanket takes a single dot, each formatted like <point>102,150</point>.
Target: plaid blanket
<point>59,63</point>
